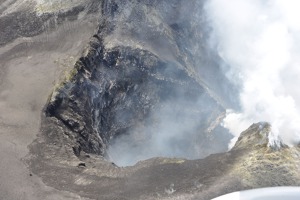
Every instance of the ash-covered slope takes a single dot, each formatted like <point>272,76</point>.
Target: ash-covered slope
<point>31,61</point>
<point>26,19</point>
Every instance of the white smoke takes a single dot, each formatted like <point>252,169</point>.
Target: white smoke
<point>174,134</point>
<point>260,41</point>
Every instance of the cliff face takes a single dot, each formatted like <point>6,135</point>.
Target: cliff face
<point>148,60</point>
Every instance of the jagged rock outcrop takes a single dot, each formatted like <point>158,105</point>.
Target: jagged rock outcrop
<point>257,135</point>
<point>267,162</point>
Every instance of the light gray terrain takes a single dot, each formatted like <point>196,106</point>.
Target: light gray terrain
<point>30,68</point>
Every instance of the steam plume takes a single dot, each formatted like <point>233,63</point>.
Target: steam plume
<point>259,40</point>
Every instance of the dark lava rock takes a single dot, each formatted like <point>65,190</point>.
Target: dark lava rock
<point>82,164</point>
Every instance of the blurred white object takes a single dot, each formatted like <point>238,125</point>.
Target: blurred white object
<point>273,193</point>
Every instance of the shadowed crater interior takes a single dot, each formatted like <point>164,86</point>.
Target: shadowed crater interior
<point>141,88</point>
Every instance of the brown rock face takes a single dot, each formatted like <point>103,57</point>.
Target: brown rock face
<point>259,135</point>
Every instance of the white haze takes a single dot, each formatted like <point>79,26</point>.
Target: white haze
<point>173,135</point>
<point>260,42</point>
<point>176,125</point>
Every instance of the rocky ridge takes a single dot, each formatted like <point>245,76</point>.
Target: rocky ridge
<point>248,165</point>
